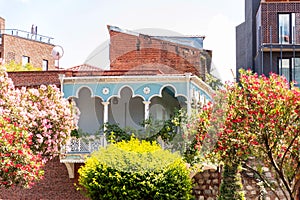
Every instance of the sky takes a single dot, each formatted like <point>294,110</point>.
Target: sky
<point>80,26</point>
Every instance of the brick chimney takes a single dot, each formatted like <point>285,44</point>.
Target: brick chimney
<point>2,24</point>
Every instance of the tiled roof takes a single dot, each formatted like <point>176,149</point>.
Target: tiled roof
<point>84,67</point>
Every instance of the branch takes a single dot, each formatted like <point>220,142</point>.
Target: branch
<point>280,186</point>
<point>262,179</point>
<point>297,182</point>
<point>290,145</point>
<point>277,169</point>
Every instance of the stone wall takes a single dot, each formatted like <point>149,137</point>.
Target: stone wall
<point>207,185</point>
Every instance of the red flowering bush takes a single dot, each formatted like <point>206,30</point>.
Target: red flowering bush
<point>18,164</point>
<point>259,118</point>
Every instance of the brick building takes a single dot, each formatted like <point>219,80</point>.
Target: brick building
<point>269,39</point>
<point>26,47</point>
<point>148,75</point>
<point>169,54</point>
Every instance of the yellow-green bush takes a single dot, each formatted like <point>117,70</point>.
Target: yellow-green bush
<point>135,170</point>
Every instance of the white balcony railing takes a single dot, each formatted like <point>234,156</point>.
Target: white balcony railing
<point>76,149</point>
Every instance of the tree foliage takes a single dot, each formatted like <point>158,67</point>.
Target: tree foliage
<point>33,124</point>
<point>13,67</point>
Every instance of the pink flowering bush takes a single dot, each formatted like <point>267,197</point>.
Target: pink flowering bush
<point>34,123</point>
<point>49,118</point>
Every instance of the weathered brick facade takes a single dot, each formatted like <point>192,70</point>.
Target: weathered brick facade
<point>269,19</point>
<point>140,52</point>
<point>35,79</point>
<point>13,46</point>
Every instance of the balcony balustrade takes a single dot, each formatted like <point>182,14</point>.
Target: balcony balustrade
<point>77,149</point>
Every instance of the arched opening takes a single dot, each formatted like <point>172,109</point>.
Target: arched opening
<point>163,108</point>
<point>126,111</point>
<point>91,111</point>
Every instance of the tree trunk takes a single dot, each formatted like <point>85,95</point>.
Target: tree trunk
<point>231,186</point>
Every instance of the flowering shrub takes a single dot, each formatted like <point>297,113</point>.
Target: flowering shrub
<point>259,118</point>
<point>33,124</point>
<point>49,118</point>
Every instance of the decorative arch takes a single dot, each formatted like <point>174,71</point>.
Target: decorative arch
<point>118,95</point>
<point>122,112</point>
<point>91,110</point>
<point>163,105</point>
<point>166,86</point>
<point>82,87</point>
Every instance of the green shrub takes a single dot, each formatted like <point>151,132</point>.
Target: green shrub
<point>135,170</point>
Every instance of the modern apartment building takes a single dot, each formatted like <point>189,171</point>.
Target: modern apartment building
<point>26,47</point>
<point>269,39</point>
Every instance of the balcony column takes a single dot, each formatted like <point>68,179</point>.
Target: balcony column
<point>147,110</point>
<point>105,112</point>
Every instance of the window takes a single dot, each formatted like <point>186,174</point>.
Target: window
<point>45,65</point>
<point>25,60</point>
<point>286,28</point>
<point>296,70</point>
<point>284,68</point>
<point>290,68</point>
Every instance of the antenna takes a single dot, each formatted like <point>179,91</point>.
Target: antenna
<point>57,53</point>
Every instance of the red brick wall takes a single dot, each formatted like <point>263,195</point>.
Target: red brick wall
<point>33,79</point>
<point>128,51</point>
<point>56,185</point>
<point>269,17</point>
<point>15,47</point>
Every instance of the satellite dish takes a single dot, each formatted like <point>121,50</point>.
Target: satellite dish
<point>57,52</point>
